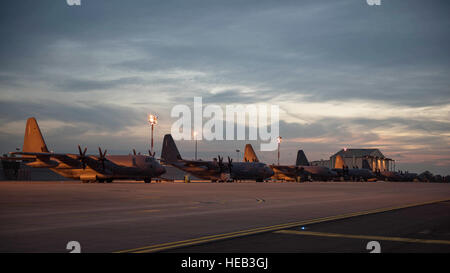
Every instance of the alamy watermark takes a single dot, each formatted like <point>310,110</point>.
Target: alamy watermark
<point>373,2</point>
<point>250,116</point>
<point>374,247</point>
<point>74,246</point>
<point>73,2</point>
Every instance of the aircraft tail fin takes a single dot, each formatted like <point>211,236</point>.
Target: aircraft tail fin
<point>301,159</point>
<point>33,141</point>
<point>170,151</point>
<point>249,154</point>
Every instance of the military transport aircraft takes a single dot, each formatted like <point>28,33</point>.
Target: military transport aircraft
<point>215,170</point>
<point>301,170</point>
<point>88,168</point>
<point>356,174</point>
<point>396,176</point>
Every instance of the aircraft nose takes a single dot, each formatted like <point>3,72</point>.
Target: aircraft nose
<point>269,171</point>
<point>161,170</point>
<point>158,168</point>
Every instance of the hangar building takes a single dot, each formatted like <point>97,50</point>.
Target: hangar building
<point>371,159</point>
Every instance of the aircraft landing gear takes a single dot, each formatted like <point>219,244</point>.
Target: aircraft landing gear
<point>88,181</point>
<point>147,180</point>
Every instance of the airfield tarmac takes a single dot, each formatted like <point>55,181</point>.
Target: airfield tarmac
<point>223,217</point>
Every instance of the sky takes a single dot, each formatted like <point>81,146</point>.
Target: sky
<point>344,74</point>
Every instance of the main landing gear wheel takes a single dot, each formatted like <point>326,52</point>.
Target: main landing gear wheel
<point>147,180</point>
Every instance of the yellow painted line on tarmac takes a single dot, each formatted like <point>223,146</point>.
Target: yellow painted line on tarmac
<point>364,237</point>
<point>212,238</point>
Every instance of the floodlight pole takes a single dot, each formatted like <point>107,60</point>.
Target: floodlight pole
<point>195,149</point>
<point>195,137</point>
<point>151,149</point>
<point>279,141</point>
<point>153,120</point>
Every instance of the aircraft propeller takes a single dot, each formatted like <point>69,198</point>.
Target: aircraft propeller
<point>82,157</point>
<point>220,163</point>
<point>230,165</point>
<point>134,152</point>
<point>102,157</point>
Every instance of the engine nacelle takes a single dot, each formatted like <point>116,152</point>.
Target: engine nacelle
<point>88,177</point>
<point>43,164</point>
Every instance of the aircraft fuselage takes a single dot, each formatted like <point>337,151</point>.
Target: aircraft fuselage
<point>116,167</point>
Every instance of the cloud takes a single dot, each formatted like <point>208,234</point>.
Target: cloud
<point>104,117</point>
<point>73,85</point>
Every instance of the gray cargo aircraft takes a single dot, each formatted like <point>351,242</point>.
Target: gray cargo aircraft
<point>88,168</point>
<point>356,174</point>
<point>301,169</point>
<point>396,176</point>
<point>215,170</point>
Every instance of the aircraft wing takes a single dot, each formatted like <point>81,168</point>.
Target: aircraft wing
<point>195,163</point>
<point>64,158</point>
<point>11,158</point>
<point>290,170</point>
<point>284,168</point>
<point>32,154</point>
<point>94,162</point>
<point>190,163</point>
